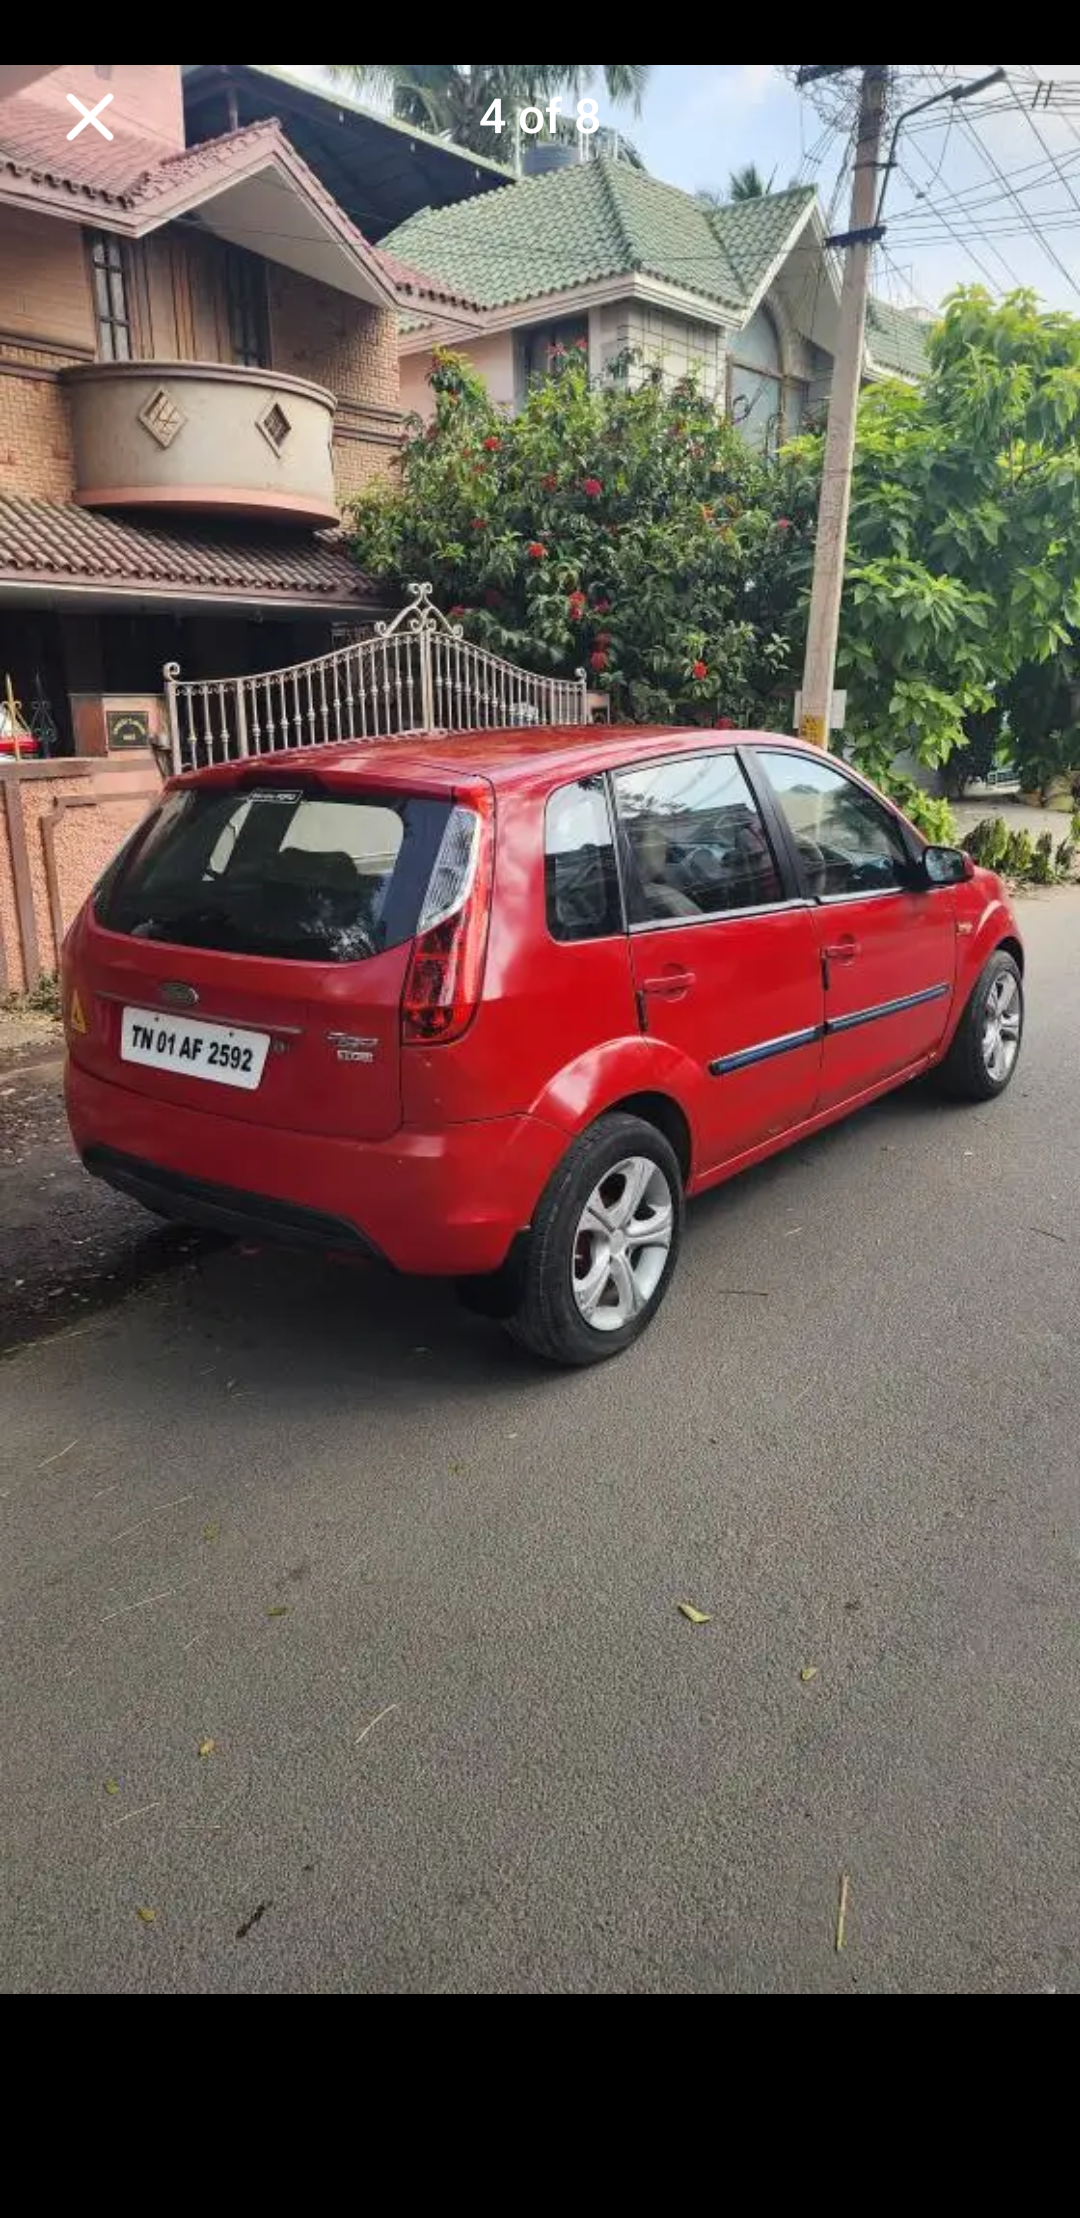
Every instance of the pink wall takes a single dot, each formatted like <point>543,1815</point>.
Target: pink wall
<point>494,358</point>
<point>66,818</point>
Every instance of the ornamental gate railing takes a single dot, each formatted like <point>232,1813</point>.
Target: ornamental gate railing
<point>416,674</point>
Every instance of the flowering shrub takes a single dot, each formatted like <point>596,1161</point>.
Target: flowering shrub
<point>580,534</point>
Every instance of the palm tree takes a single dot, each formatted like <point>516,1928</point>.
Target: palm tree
<point>748,183</point>
<point>451,98</point>
<point>743,184</point>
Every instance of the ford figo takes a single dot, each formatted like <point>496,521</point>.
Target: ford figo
<point>495,1006</point>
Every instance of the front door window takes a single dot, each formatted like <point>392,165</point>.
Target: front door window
<point>887,942</point>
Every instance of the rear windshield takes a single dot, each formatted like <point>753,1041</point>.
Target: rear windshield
<point>306,874</point>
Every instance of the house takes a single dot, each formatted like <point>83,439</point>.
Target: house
<point>198,364</point>
<point>748,294</point>
<point>379,170</point>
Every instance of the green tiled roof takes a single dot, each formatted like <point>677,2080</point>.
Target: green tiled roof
<point>895,340</point>
<point>598,219</point>
<point>756,231</point>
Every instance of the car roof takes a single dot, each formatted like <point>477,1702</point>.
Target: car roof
<point>437,761</point>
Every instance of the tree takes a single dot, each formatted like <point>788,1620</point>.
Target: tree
<point>748,183</point>
<point>963,570</point>
<point>624,528</point>
<point>453,97</point>
<point>743,184</point>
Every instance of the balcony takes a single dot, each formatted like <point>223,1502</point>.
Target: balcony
<point>204,438</point>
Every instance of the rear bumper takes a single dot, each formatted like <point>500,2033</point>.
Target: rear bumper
<point>443,1204</point>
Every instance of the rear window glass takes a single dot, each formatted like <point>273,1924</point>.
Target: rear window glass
<point>306,875</point>
<point>580,874</point>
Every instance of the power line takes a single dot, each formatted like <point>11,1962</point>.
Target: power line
<point>994,166</point>
<point>1052,157</point>
<point>993,282</point>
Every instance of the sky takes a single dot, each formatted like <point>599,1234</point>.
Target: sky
<point>986,191</point>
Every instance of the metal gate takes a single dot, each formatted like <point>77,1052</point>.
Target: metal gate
<point>416,674</point>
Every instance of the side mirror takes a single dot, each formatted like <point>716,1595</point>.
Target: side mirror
<point>946,866</point>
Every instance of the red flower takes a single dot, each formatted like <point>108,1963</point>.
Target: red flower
<point>536,550</point>
<point>550,483</point>
<point>479,523</point>
<point>783,523</point>
<point>557,351</point>
<point>576,604</point>
<point>492,443</point>
<point>493,597</point>
<point>457,610</point>
<point>598,660</point>
<point>603,639</point>
<point>725,724</point>
<point>593,487</point>
<point>582,346</point>
<point>603,608</point>
<point>701,670</point>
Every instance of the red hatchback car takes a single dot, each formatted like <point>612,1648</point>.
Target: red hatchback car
<point>492,1006</point>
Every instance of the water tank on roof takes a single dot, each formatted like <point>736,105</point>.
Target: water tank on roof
<point>542,156</point>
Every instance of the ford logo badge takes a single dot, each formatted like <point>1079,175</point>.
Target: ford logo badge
<point>178,993</point>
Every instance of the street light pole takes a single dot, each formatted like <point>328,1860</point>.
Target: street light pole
<point>835,498</point>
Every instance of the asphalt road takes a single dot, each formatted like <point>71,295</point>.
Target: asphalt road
<point>416,1602</point>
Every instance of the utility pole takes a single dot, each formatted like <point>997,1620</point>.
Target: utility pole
<point>835,499</point>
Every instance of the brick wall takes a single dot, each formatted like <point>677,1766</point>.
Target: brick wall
<point>36,458</point>
<point>351,348</point>
<point>46,321</point>
<point>60,823</point>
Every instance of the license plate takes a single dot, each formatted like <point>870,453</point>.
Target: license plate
<point>222,1053</point>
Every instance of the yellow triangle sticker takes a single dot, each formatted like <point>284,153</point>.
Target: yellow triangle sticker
<point>76,1015</point>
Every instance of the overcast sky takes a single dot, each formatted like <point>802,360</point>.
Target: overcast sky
<point>953,216</point>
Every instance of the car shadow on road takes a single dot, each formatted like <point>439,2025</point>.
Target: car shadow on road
<point>270,1316</point>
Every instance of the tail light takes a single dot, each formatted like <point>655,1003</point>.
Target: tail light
<point>447,966</point>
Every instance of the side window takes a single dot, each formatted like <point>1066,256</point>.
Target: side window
<point>697,844</point>
<point>848,843</point>
<point>112,315</point>
<point>580,875</point>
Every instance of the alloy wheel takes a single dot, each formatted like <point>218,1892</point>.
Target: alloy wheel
<point>622,1243</point>
<point>1002,1018</point>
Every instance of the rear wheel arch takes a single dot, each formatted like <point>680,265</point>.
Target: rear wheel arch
<point>663,1112</point>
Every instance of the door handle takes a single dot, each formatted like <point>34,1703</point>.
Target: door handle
<point>670,984</point>
<point>844,951</point>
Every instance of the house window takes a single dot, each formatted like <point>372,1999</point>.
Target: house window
<point>757,384</point>
<point>111,310</point>
<point>538,348</point>
<point>245,300</point>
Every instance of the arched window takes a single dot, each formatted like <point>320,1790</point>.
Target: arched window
<point>764,405</point>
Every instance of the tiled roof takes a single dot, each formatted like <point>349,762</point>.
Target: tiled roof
<point>755,232</point>
<point>34,143</point>
<point>138,186</point>
<point>895,340</point>
<point>50,542</point>
<point>599,219</point>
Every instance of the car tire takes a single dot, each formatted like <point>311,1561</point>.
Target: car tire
<point>588,1287</point>
<point>986,1045</point>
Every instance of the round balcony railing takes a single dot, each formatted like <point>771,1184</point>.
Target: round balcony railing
<point>203,437</point>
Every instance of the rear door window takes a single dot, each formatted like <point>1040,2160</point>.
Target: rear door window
<point>697,845</point>
<point>299,873</point>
